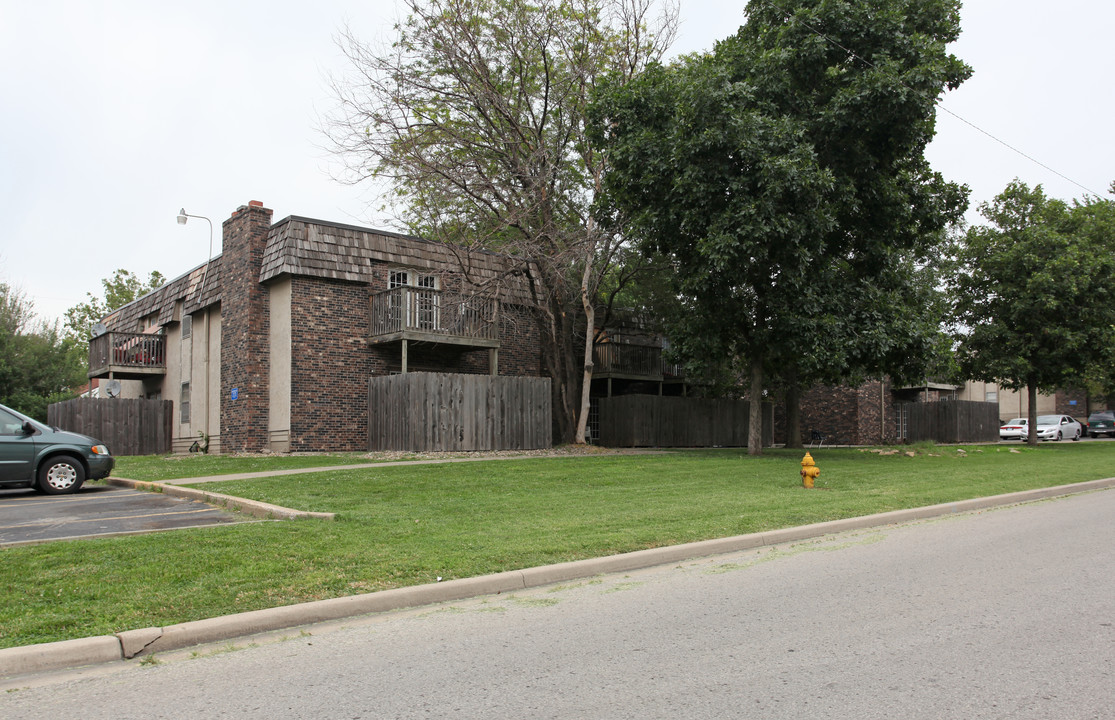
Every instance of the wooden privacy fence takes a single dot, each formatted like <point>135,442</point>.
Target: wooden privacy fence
<point>442,411</point>
<point>948,421</point>
<point>657,421</point>
<point>127,427</point>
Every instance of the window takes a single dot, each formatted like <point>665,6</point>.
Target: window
<point>184,403</point>
<point>10,424</point>
<point>148,321</point>
<point>397,278</point>
<point>991,396</point>
<point>187,326</point>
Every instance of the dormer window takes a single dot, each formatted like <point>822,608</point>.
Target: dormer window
<point>405,278</point>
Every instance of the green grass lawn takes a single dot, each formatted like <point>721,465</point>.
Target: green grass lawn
<point>399,526</point>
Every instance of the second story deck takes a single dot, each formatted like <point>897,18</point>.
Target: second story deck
<point>633,362</point>
<point>434,316</point>
<point>127,355</point>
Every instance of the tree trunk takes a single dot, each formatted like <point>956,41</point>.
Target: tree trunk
<point>755,421</point>
<point>558,358</point>
<point>793,414</point>
<point>1032,414</point>
<point>586,382</point>
<point>590,332</point>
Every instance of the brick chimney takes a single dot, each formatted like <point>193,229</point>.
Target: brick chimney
<point>245,319</point>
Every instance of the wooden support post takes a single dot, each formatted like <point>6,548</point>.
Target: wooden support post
<point>404,368</point>
<point>493,362</point>
<point>609,387</point>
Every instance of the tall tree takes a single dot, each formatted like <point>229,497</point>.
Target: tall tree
<point>1021,286</point>
<point>35,367</point>
<point>1093,221</point>
<point>476,117</point>
<point>784,176</point>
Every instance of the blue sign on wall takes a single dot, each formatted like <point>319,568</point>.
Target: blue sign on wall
<point>1072,402</point>
<point>236,393</point>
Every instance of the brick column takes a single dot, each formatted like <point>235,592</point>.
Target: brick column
<point>245,320</point>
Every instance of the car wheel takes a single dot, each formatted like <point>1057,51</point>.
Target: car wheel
<point>60,475</point>
<point>1076,437</point>
<point>1059,436</point>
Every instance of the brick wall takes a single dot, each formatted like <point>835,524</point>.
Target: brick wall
<point>1065,406</point>
<point>832,411</point>
<point>845,415</point>
<point>244,331</point>
<point>876,420</point>
<point>330,365</point>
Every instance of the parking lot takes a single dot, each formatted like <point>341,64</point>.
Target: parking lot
<point>28,516</point>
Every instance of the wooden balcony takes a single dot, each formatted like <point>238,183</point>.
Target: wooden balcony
<point>425,315</point>
<point>632,362</point>
<point>127,355</point>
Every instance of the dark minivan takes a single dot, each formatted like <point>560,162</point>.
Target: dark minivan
<point>1101,422</point>
<point>54,461</point>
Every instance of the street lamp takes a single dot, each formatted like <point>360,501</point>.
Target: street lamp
<point>182,217</point>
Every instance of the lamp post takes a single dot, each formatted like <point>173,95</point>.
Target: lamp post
<point>182,217</point>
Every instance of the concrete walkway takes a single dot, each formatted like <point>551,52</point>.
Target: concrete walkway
<point>396,463</point>
<point>267,511</point>
<point>146,641</point>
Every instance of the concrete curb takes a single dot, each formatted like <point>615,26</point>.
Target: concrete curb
<point>133,643</point>
<point>254,508</point>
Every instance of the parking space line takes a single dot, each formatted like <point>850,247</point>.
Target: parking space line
<point>82,498</point>
<point>70,521</point>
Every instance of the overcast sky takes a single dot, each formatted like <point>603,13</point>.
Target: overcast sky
<point>118,113</point>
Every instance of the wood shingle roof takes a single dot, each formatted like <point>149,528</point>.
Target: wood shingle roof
<point>316,248</point>
<point>187,288</point>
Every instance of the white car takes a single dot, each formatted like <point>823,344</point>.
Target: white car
<point>1058,427</point>
<point>1013,430</point>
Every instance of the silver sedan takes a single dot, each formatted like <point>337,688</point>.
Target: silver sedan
<point>1058,427</point>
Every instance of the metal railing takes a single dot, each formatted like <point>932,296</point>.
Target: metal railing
<point>423,310</point>
<point>127,350</point>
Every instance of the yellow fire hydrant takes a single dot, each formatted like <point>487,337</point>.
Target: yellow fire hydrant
<point>809,471</point>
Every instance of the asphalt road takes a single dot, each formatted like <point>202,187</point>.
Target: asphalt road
<point>1008,613</point>
<point>28,516</point>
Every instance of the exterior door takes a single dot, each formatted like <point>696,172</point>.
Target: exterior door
<point>17,449</point>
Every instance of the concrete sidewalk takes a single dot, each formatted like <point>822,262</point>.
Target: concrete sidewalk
<point>145,641</point>
<point>397,463</point>
<point>267,511</point>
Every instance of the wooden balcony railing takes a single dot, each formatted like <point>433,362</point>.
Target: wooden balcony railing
<point>127,354</point>
<point>423,314</point>
<point>633,361</point>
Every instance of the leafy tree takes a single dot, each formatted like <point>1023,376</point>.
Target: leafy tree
<point>1035,292</point>
<point>35,367</point>
<point>783,175</point>
<point>122,288</point>
<point>475,117</point>
<point>1093,221</point>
